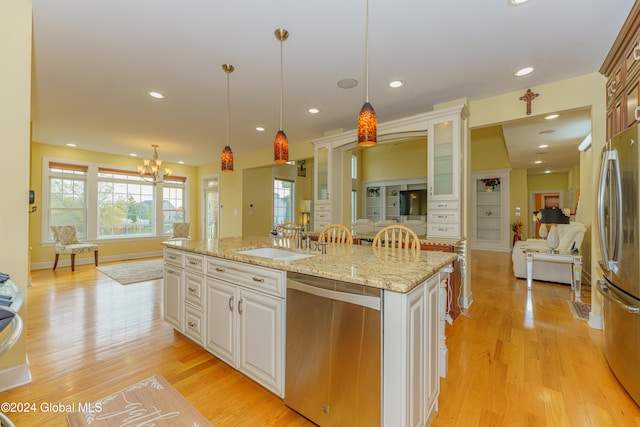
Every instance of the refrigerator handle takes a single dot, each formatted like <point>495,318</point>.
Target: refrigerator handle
<point>604,242</point>
<point>603,289</point>
<point>617,218</point>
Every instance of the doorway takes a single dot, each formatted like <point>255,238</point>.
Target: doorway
<point>543,200</point>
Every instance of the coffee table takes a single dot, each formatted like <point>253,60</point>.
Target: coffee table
<point>573,261</point>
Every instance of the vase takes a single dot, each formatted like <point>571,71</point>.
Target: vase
<point>553,239</point>
<point>488,189</point>
<point>516,237</point>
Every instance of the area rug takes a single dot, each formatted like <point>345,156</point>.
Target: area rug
<point>579,309</point>
<point>151,402</point>
<point>134,272</point>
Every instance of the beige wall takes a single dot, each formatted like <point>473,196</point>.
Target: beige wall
<point>15,116</point>
<point>407,159</point>
<point>488,149</point>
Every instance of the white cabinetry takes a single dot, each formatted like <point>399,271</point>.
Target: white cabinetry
<point>322,189</point>
<point>445,133</point>
<point>173,278</point>
<point>194,297</point>
<point>245,320</point>
<point>411,354</point>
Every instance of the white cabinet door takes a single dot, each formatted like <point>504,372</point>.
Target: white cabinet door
<point>221,320</point>
<point>432,383</point>
<point>417,342</point>
<point>260,337</point>
<point>173,301</point>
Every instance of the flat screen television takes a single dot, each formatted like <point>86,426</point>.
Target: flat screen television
<point>413,202</point>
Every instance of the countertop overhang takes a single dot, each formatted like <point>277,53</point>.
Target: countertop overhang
<point>396,270</point>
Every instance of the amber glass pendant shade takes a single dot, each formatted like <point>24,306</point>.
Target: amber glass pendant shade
<point>281,147</point>
<point>367,126</point>
<point>227,159</point>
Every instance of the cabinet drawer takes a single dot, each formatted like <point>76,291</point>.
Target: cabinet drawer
<point>194,289</point>
<point>443,230</point>
<point>443,217</point>
<point>443,204</point>
<point>194,323</point>
<point>194,262</point>
<point>322,207</point>
<point>174,257</point>
<point>251,276</point>
<point>322,216</point>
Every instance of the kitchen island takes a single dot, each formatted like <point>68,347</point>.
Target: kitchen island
<point>234,305</point>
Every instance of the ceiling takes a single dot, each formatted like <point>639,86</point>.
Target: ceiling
<point>95,61</point>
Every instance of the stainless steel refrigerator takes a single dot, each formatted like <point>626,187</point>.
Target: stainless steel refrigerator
<point>619,227</point>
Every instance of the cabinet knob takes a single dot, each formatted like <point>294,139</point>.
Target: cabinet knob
<point>636,53</point>
<point>220,269</point>
<point>192,325</point>
<point>192,289</point>
<point>258,279</point>
<point>636,113</point>
<point>240,306</point>
<point>230,303</point>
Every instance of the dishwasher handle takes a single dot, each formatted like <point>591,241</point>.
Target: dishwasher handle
<point>362,300</point>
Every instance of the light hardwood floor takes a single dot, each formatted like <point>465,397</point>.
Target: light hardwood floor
<point>518,359</point>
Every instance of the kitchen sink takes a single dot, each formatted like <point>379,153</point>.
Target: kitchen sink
<point>275,254</point>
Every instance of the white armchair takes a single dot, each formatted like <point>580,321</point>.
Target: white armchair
<point>571,236</point>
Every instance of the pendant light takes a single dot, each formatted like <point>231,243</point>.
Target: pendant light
<point>227,154</point>
<point>281,144</point>
<point>367,121</point>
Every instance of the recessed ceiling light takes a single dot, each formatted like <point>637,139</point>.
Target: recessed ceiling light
<point>552,116</point>
<point>71,144</point>
<point>516,2</point>
<point>133,154</point>
<point>181,162</point>
<point>347,83</point>
<point>523,71</point>
<point>396,83</point>
<point>537,162</point>
<point>260,129</point>
<point>313,110</point>
<point>543,146</point>
<point>156,95</point>
<point>547,171</point>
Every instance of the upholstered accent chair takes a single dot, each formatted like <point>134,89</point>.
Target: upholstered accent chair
<point>67,243</point>
<point>181,231</point>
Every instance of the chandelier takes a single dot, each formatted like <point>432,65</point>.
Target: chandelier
<point>150,170</point>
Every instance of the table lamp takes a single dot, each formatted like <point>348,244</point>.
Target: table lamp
<point>553,216</point>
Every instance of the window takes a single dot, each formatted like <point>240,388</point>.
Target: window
<point>108,203</point>
<point>125,204</point>
<point>68,197</point>
<point>354,188</point>
<point>283,202</point>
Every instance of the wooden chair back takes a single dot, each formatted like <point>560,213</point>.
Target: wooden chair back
<point>336,233</point>
<point>288,229</point>
<point>397,236</point>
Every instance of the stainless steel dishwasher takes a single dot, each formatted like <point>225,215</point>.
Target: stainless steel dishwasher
<point>333,356</point>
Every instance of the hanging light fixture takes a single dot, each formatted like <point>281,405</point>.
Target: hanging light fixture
<point>150,170</point>
<point>367,121</point>
<point>281,144</point>
<point>227,154</point>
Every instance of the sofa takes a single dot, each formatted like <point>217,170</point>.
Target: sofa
<point>571,236</point>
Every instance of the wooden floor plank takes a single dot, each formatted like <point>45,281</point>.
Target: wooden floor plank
<point>516,358</point>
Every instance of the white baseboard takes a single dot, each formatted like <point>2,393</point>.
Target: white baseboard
<point>596,322</point>
<point>15,376</point>
<point>466,301</point>
<point>89,260</point>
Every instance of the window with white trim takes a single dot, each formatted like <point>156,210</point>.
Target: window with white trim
<point>283,203</point>
<point>110,203</point>
<point>67,197</point>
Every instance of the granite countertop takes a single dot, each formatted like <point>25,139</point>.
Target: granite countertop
<point>388,269</point>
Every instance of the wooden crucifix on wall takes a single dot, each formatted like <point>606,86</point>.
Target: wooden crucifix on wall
<point>528,97</point>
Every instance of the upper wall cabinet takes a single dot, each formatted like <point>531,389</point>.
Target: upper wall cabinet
<point>445,132</point>
<point>622,69</point>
